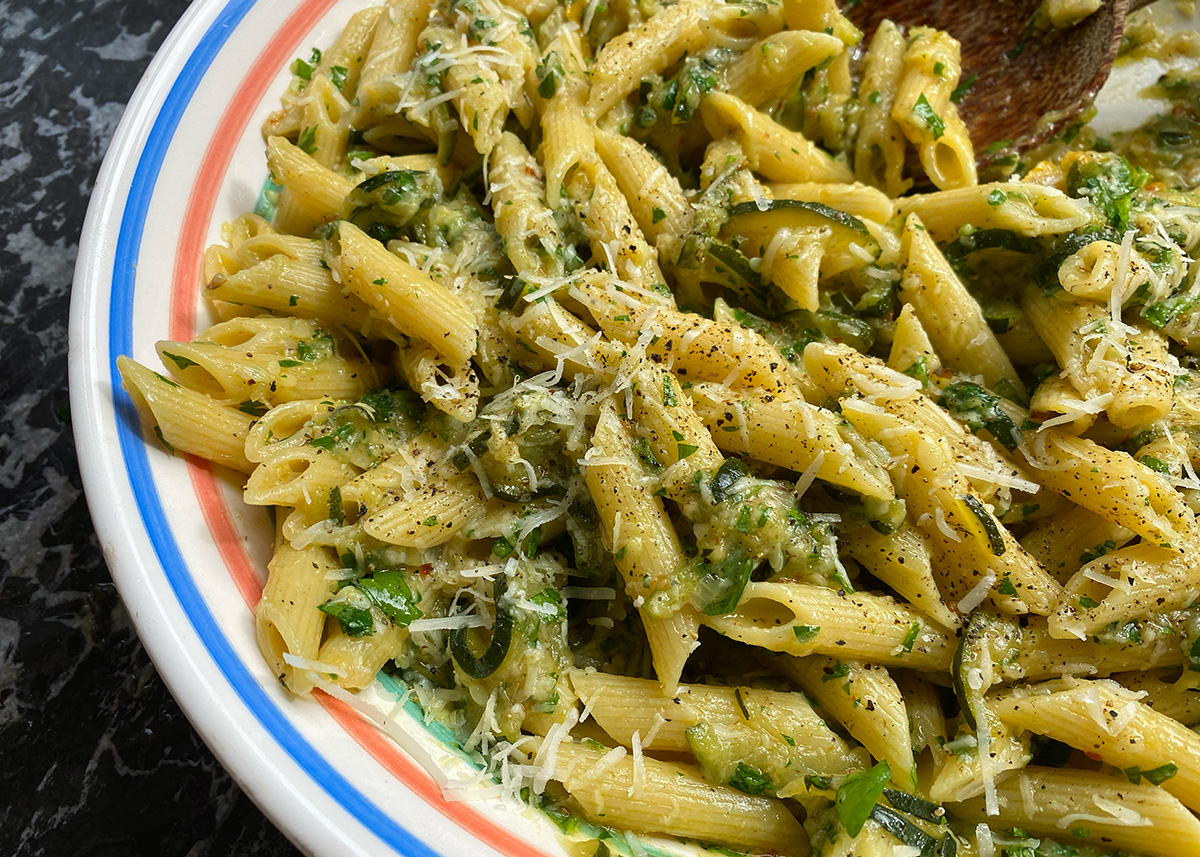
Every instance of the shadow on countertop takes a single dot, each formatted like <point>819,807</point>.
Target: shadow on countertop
<point>98,760</point>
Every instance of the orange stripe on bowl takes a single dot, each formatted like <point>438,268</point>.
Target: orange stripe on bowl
<point>185,281</point>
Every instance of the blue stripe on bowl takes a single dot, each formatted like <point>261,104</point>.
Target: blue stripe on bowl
<point>133,449</point>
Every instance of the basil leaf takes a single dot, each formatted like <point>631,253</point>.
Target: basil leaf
<point>355,621</point>
<point>728,580</point>
<point>727,474</point>
<point>388,590</point>
<point>857,796</point>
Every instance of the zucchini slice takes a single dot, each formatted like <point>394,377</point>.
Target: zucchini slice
<point>758,225</point>
<point>986,643</point>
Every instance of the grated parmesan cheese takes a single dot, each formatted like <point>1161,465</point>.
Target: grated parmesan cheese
<point>547,755</point>
<point>976,473</point>
<point>760,199</point>
<point>739,410</point>
<point>639,765</point>
<point>1099,577</point>
<point>939,519</point>
<point>319,667</point>
<point>983,837</point>
<point>1115,813</point>
<point>978,592</point>
<point>603,765</point>
<point>446,623</point>
<point>809,474</point>
<point>773,247</point>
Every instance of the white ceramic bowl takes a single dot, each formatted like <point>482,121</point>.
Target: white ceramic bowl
<point>186,554</point>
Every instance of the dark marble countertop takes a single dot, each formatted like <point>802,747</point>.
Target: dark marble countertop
<point>98,760</point>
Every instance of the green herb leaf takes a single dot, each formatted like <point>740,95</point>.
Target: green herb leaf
<point>839,670</point>
<point>727,581</point>
<point>389,591</point>
<point>857,796</point>
<point>549,596</point>
<point>180,361</point>
<point>342,437</point>
<point>303,69</point>
<point>355,621</point>
<point>167,445</point>
<point>1097,551</point>
<point>549,72</point>
<point>307,142</point>
<point>804,633</point>
<point>963,88</point>
<point>977,408</point>
<point>1156,464</point>
<point>1108,182</point>
<point>730,471</point>
<point>1157,776</point>
<point>253,408</point>
<point>530,545</point>
<point>925,112</point>
<point>750,780</point>
<point>668,390</point>
<point>336,513</point>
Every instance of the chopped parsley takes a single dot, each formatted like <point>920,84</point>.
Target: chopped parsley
<point>304,69</point>
<point>308,140</point>
<point>180,361</point>
<point>1157,776</point>
<point>804,633</point>
<point>750,780</point>
<point>963,88</point>
<point>924,111</point>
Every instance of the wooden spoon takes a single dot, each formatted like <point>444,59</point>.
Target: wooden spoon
<point>1027,85</point>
